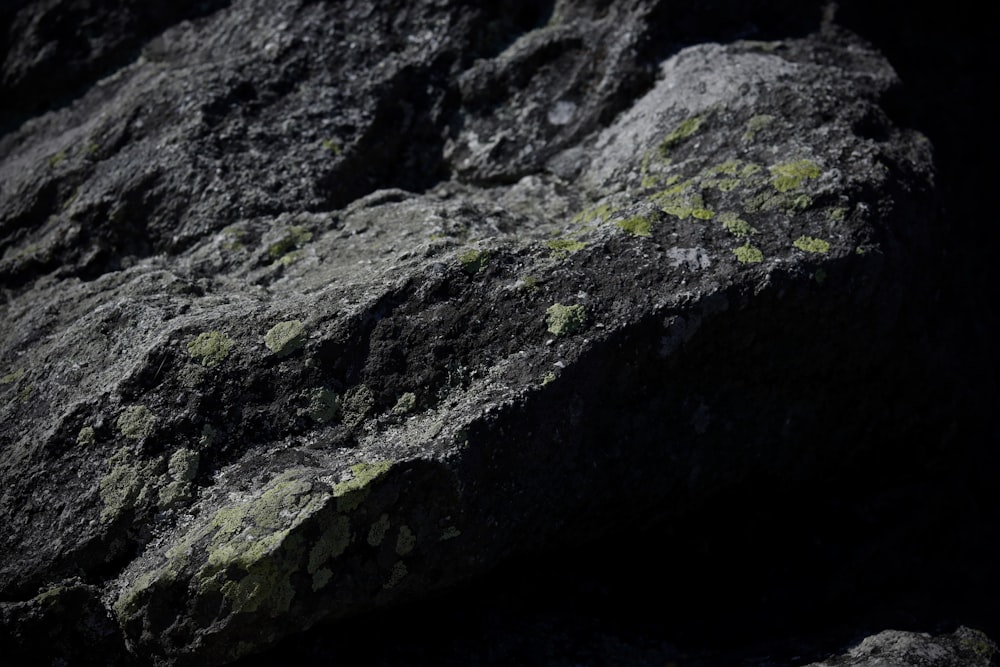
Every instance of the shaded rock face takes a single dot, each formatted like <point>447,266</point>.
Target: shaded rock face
<point>316,309</point>
<point>963,647</point>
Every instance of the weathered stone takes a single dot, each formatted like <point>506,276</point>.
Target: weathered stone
<point>963,648</point>
<point>382,417</point>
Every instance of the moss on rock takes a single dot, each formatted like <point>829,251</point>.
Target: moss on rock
<point>210,348</point>
<point>286,337</point>
<point>565,320</point>
<point>136,422</point>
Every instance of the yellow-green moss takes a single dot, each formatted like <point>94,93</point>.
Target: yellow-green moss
<point>735,225</point>
<point>378,530</point>
<point>86,437</point>
<point>397,574</point>
<point>333,541</point>
<point>790,176</point>
<point>756,124</point>
<point>181,471</point>
<point>324,405</point>
<point>136,422</point>
<point>565,320</point>
<point>357,404</point>
<point>449,533</point>
<point>12,377</point>
<point>294,237</point>
<point>474,261</point>
<point>837,214</point>
<point>351,493</point>
<point>267,583</point>
<point>286,337</point>
<point>57,159</point>
<point>685,129</point>
<point>812,245</point>
<point>602,212</point>
<point>406,404</point>
<point>562,247</point>
<point>637,225</point>
<point>405,541</point>
<point>210,347</point>
<point>682,201</point>
<point>747,254</point>
<point>332,146</point>
<point>127,484</point>
<point>548,378</point>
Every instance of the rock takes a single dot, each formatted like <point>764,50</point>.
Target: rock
<point>312,310</point>
<point>965,647</point>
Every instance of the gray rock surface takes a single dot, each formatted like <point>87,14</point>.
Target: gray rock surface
<point>965,647</point>
<point>310,310</point>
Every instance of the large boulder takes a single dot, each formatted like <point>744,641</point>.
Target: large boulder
<point>310,310</point>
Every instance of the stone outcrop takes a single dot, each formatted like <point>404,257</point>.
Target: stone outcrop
<point>311,310</point>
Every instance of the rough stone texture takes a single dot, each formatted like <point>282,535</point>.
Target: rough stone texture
<point>314,309</point>
<point>965,647</point>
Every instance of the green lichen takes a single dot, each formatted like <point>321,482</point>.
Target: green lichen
<point>735,225</point>
<point>351,493</point>
<point>181,471</point>
<point>637,225</point>
<point>247,532</point>
<point>406,404</point>
<point>128,483</point>
<point>977,643</point>
<point>256,537</point>
<point>770,200</point>
<point>682,201</point>
<point>473,261</point>
<point>294,238</point>
<point>563,247</point>
<point>332,146</point>
<point>602,213</point>
<point>812,245</point>
<point>378,530</point>
<point>324,405</point>
<point>756,124</point>
<point>397,574</point>
<point>686,128</point>
<point>790,176</point>
<point>449,533</point>
<point>405,541</point>
<point>548,378</point>
<point>357,404</point>
<point>285,338</point>
<point>233,238</point>
<point>565,320</point>
<point>722,184</point>
<point>529,283</point>
<point>747,254</point>
<point>192,376</point>
<point>837,214</point>
<point>211,348</point>
<point>332,543</point>
<point>267,584</point>
<point>12,377</point>
<point>86,437</point>
<point>57,159</point>
<point>136,422</point>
